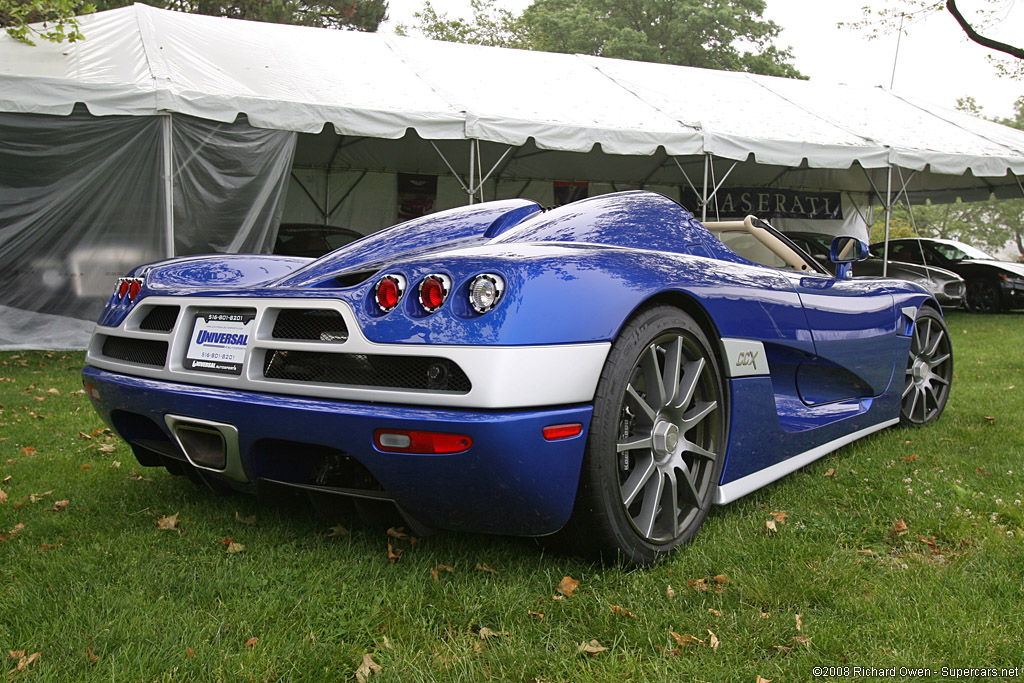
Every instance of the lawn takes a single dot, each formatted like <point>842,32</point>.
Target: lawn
<point>901,550</point>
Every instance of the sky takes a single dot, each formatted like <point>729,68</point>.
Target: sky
<point>936,62</point>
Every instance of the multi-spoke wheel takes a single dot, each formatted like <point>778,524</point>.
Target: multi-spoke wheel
<point>657,440</point>
<point>983,296</point>
<point>929,370</point>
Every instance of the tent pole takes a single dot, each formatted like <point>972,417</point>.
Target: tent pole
<point>888,215</point>
<point>704,193</point>
<point>455,175</point>
<point>472,168</point>
<point>168,162</point>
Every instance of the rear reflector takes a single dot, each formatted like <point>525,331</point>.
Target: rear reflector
<point>566,431</point>
<point>425,443</point>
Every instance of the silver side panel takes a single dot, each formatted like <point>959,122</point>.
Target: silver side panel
<point>501,376</point>
<point>744,358</point>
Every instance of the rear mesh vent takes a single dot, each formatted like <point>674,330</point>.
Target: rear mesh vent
<point>160,319</point>
<point>141,351</point>
<point>315,324</point>
<point>353,369</point>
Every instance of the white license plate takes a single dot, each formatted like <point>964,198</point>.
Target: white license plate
<point>219,341</point>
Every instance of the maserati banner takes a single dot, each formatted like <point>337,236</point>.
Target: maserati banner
<point>768,203</point>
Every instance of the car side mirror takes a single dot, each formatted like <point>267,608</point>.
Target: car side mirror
<point>845,251</point>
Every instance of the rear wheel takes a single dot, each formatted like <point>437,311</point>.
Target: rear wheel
<point>929,370</point>
<point>656,444</point>
<point>983,296</point>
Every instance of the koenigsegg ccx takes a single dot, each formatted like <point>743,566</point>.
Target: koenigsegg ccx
<point>612,367</point>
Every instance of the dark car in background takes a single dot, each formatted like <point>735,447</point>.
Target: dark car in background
<point>946,286</point>
<point>312,240</point>
<point>992,285</point>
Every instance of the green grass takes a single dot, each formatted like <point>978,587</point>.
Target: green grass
<point>104,594</point>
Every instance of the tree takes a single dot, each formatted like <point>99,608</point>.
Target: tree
<point>59,15</point>
<point>715,34</point>
<point>899,15</point>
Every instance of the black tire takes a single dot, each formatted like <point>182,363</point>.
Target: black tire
<point>638,504</point>
<point>929,374</point>
<point>983,296</point>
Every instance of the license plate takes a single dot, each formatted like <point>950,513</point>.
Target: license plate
<point>219,341</point>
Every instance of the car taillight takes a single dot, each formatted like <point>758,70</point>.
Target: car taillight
<point>424,443</point>
<point>484,291</point>
<point>388,291</point>
<point>562,431</point>
<point>433,291</point>
<point>128,288</point>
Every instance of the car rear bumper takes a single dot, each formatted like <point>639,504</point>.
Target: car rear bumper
<point>511,480</point>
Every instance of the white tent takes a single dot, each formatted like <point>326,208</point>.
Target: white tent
<point>219,100</point>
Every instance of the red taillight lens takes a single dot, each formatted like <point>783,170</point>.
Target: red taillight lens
<point>122,287</point>
<point>389,291</point>
<point>564,431</point>
<point>133,289</point>
<point>433,291</point>
<point>424,443</point>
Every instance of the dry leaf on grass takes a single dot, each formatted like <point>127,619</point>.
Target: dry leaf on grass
<point>115,464</point>
<point>6,480</point>
<point>232,547</point>
<point>248,521</point>
<point>592,648</point>
<point>58,506</point>
<point>488,633</point>
<point>484,568</point>
<point>867,552</point>
<point>83,435</point>
<point>190,653</point>
<point>623,612</point>
<point>779,517</point>
<point>3,496</point>
<point>799,623</point>
<point>337,530</point>
<point>36,497</point>
<point>170,522</point>
<point>23,661</point>
<point>535,615</point>
<point>770,525</point>
<point>713,641</point>
<point>567,586</point>
<point>900,527</point>
<point>715,612</point>
<point>366,668</point>
<point>763,680</point>
<point>251,642</point>
<point>445,568</point>
<point>803,640</point>
<point>670,592</point>
<point>85,467</point>
<point>830,472</point>
<point>686,640</point>
<point>720,579</point>
<point>910,458</point>
<point>107,448</point>
<point>90,656</point>
<point>28,450</point>
<point>394,554</point>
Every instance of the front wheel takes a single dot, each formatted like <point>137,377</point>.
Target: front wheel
<point>929,373</point>
<point>657,441</point>
<point>983,296</point>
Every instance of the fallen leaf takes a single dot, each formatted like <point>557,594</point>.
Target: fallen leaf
<point>484,568</point>
<point>191,653</point>
<point>394,554</point>
<point>114,464</point>
<point>387,643</point>
<point>763,680</point>
<point>398,532</point>
<point>488,633</point>
<point>36,497</point>
<point>28,450</point>
<point>235,548</point>
<point>366,668</point>
<point>784,649</point>
<point>567,586</point>
<point>670,592</point>
<point>700,585</point>
<point>250,521</point>
<point>780,517</point>
<point>765,615</point>
<point>990,420</point>
<point>713,641</point>
<point>53,391</point>
<point>535,615</point>
<point>910,458</point>
<point>226,541</point>
<point>867,552</point>
<point>830,472</point>
<point>86,466</point>
<point>3,496</point>
<point>445,568</point>
<point>168,523</point>
<point>623,612</point>
<point>58,506</point>
<point>592,648</point>
<point>720,579</point>
<point>686,640</point>
<point>799,623</point>
<point>90,656</point>
<point>83,435</point>
<point>23,661</point>
<point>803,640</point>
<point>336,530</point>
<point>770,525</point>
<point>6,479</point>
<point>106,448</point>
<point>251,642</point>
<point>46,546</point>
<point>714,612</point>
<point>900,527</point>
<point>433,573</point>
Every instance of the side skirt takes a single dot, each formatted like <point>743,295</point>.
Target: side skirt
<point>741,487</point>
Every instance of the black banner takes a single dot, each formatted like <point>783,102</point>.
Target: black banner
<point>768,203</point>
<point>416,195</point>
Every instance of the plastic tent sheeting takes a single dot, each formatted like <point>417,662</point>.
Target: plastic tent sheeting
<point>83,199</point>
<point>142,60</point>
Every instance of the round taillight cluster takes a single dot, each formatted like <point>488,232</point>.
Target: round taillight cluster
<point>434,291</point>
<point>484,291</point>
<point>389,291</point>
<point>127,288</point>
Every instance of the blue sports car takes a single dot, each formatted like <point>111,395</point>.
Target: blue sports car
<point>611,368</point>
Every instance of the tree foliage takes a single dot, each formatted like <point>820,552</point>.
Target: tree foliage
<point>715,34</point>
<point>900,15</point>
<point>991,224</point>
<point>60,24</point>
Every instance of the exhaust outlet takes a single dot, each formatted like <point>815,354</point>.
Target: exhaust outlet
<point>208,445</point>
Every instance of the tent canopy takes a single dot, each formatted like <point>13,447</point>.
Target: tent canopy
<point>139,60</point>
